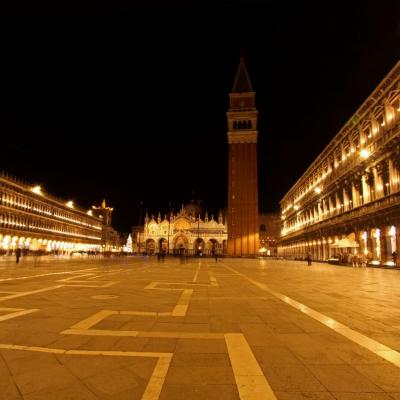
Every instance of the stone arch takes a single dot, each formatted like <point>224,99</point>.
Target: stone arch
<point>150,246</point>
<point>213,245</point>
<point>162,244</point>
<point>199,246</point>
<point>180,242</point>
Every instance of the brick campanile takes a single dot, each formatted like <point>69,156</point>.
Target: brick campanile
<point>242,213</point>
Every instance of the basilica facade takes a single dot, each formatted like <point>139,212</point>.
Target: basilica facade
<point>188,231</point>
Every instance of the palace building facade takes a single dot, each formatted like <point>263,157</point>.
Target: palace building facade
<point>34,220</point>
<point>351,193</point>
<point>189,231</point>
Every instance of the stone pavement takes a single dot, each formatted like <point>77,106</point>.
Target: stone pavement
<point>133,328</point>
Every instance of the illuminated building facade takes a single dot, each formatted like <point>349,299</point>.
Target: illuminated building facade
<point>110,239</point>
<point>352,190</point>
<point>243,226</point>
<point>188,231</point>
<point>32,219</point>
<point>270,227</point>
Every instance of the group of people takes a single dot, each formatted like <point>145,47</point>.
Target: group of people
<point>161,256</point>
<point>355,260</point>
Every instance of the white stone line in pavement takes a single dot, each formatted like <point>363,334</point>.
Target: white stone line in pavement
<point>71,283</point>
<point>84,352</point>
<point>376,347</point>
<point>250,380</point>
<point>197,273</point>
<point>22,294</point>
<point>84,326</point>
<point>183,303</point>
<point>50,273</point>
<point>157,378</point>
<point>78,276</point>
<point>92,320</point>
<point>144,334</point>
<point>18,312</point>
<point>76,281</point>
<point>99,332</point>
<point>213,279</point>
<point>105,285</point>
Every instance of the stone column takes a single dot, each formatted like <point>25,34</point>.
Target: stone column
<point>345,199</point>
<point>337,202</point>
<point>384,245</point>
<point>378,186</point>
<point>330,205</point>
<point>365,189</point>
<point>370,247</point>
<point>355,197</point>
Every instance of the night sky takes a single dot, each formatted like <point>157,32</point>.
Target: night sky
<point>131,105</point>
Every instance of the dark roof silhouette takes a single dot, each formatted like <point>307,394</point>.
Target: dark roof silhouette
<point>242,82</point>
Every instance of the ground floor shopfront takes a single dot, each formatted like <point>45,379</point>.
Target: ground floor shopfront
<point>30,243</point>
<point>376,238</point>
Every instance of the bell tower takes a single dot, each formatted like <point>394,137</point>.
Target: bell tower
<point>242,213</point>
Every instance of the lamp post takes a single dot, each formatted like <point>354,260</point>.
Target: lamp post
<point>198,232</point>
<point>169,227</point>
<point>140,224</point>
<point>169,224</point>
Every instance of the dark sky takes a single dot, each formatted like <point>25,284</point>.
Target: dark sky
<point>129,104</point>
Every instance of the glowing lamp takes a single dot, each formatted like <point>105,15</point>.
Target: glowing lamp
<point>364,153</point>
<point>37,189</point>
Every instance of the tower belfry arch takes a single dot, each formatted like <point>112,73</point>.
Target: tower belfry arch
<point>242,212</point>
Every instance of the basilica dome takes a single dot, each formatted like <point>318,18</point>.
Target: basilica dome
<point>194,208</point>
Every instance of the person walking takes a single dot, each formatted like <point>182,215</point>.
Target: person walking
<point>214,254</point>
<point>309,259</point>
<point>394,258</point>
<point>17,254</point>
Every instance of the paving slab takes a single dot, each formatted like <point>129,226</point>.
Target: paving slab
<point>186,356</point>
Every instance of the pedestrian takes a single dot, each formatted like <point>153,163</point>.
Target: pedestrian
<point>394,258</point>
<point>309,259</point>
<point>214,254</point>
<point>159,256</point>
<point>17,254</point>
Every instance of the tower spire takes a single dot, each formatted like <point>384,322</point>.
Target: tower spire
<point>242,83</point>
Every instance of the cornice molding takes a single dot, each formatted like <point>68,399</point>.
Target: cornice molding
<point>242,137</point>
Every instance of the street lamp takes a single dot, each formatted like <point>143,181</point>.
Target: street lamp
<point>198,234</point>
<point>169,225</point>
